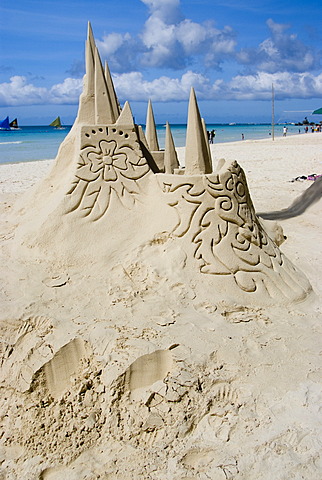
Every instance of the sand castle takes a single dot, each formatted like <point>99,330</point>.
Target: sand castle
<point>135,340</point>
<point>110,177</point>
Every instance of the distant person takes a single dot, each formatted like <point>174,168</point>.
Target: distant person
<point>208,135</point>
<point>212,136</point>
<point>243,138</point>
<point>284,131</point>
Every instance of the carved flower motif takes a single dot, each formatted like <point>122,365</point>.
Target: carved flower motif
<point>107,160</point>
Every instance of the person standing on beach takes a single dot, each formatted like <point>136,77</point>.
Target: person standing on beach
<point>284,131</point>
<point>243,136</point>
<point>212,136</point>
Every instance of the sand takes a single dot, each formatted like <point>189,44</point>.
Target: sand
<point>131,374</point>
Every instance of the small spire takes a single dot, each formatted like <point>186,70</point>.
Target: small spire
<point>150,130</point>
<point>126,116</point>
<point>170,154</point>
<point>110,87</point>
<point>197,159</point>
<point>142,136</point>
<point>206,136</point>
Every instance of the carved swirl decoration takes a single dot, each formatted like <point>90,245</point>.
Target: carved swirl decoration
<point>216,215</point>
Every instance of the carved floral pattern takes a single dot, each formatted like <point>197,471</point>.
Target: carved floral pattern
<point>111,162</point>
<point>107,161</point>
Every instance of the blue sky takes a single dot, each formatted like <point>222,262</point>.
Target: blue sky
<point>230,51</point>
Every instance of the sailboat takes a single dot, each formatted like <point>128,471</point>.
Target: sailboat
<point>14,124</point>
<point>57,124</point>
<point>5,124</point>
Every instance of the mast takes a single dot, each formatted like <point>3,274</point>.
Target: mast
<point>273,111</point>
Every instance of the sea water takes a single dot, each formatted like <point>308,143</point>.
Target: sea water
<point>41,143</point>
<point>30,143</point>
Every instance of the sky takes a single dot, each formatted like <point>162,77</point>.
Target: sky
<point>232,53</point>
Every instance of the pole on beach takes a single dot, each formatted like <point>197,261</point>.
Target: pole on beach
<point>273,111</point>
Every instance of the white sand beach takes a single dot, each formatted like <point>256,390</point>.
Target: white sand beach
<point>125,371</point>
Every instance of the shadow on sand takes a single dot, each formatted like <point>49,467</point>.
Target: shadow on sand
<point>300,204</point>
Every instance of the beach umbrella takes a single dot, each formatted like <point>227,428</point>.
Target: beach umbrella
<point>317,112</point>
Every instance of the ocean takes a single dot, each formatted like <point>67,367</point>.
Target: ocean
<point>42,142</point>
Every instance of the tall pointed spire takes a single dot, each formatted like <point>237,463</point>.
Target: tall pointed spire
<point>89,60</point>
<point>110,86</point>
<point>98,103</point>
<point>86,109</point>
<point>104,112</point>
<point>150,130</point>
<point>170,154</point>
<point>197,159</point>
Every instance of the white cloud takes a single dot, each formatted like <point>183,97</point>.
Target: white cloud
<point>121,50</point>
<point>165,10</point>
<point>280,52</point>
<point>176,45</point>
<point>134,87</point>
<point>168,40</point>
<point>19,92</point>
<point>160,42</point>
<point>191,35</point>
<point>286,85</point>
<point>112,42</point>
<point>67,92</point>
